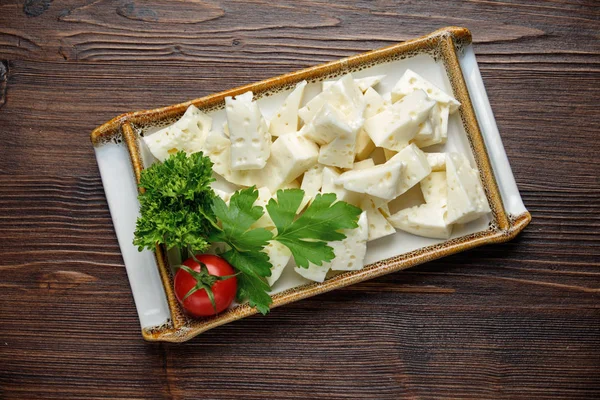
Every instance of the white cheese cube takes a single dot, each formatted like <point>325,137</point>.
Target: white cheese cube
<point>330,177</point>
<point>378,224</point>
<point>425,131</point>
<point>279,256</point>
<point>466,198</point>
<point>415,169</point>
<point>187,134</point>
<point>218,149</point>
<point>328,124</point>
<point>292,154</point>
<point>314,272</point>
<point>286,118</point>
<point>248,132</point>
<point>411,81</point>
<point>312,181</point>
<point>264,195</point>
<point>435,188</point>
<point>340,152</point>
<point>439,121</point>
<point>374,103</point>
<point>398,124</point>
<point>364,145</point>
<point>350,252</point>
<point>437,161</point>
<point>308,112</point>
<point>425,220</point>
<point>343,95</point>
<point>380,181</point>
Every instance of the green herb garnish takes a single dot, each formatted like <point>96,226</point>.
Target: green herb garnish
<point>180,209</point>
<point>175,199</point>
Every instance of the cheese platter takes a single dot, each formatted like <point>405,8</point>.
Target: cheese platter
<point>402,140</point>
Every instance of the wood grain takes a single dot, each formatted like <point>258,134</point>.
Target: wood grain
<point>516,320</point>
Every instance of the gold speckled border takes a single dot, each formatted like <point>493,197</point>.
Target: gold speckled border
<point>443,44</point>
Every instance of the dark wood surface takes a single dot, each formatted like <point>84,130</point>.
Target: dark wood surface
<point>516,320</point>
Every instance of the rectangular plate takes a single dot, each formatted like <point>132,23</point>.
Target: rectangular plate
<point>445,57</point>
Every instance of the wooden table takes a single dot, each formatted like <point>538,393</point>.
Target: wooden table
<point>516,320</point>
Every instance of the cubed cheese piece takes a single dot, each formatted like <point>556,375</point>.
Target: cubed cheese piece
<point>312,181</point>
<point>347,97</point>
<point>350,252</point>
<point>292,154</point>
<point>364,145</point>
<point>285,119</point>
<point>411,81</point>
<point>343,95</point>
<point>218,149</point>
<point>368,163</point>
<point>381,180</point>
<point>264,195</point>
<point>364,164</point>
<point>394,127</point>
<point>340,152</point>
<point>378,224</point>
<point>330,176</point>
<point>425,220</point>
<point>363,83</point>
<point>435,188</point>
<point>187,134</point>
<point>425,131</point>
<point>466,198</point>
<point>248,132</point>
<point>374,103</point>
<point>439,122</point>
<point>328,124</point>
<point>279,256</point>
<point>314,272</point>
<point>437,161</point>
<point>415,169</point>
<point>308,112</point>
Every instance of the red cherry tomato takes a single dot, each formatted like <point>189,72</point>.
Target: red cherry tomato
<point>198,304</point>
